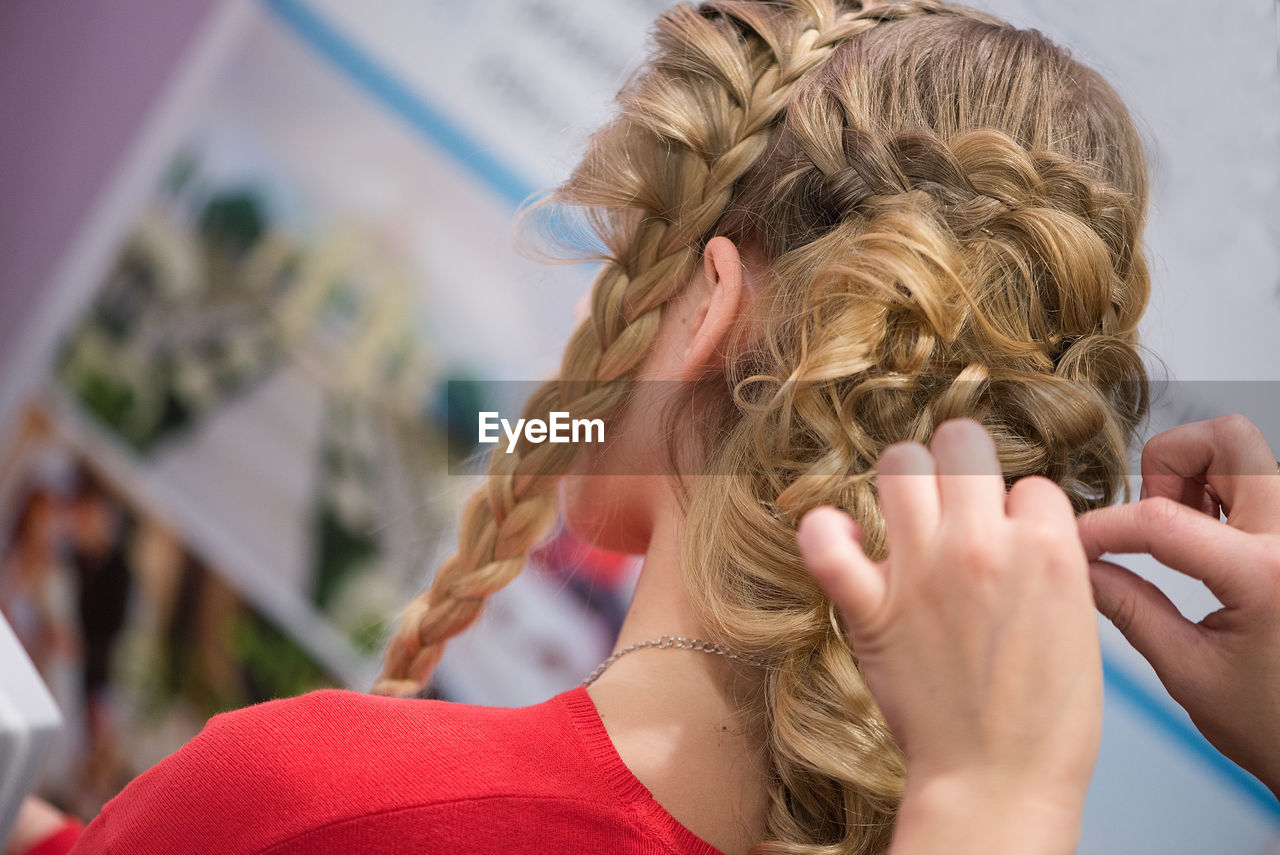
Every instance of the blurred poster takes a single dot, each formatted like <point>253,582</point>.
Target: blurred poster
<point>227,469</point>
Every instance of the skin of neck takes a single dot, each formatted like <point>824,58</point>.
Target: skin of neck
<point>660,605</point>
<point>670,713</point>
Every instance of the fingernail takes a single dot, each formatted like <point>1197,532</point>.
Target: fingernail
<point>816,534</point>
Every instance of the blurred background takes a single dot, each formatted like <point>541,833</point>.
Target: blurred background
<point>252,249</point>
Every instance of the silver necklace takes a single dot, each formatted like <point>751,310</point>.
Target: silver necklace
<point>666,641</point>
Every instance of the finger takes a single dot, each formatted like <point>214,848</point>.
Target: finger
<point>907,484</point>
<point>1193,493</point>
<point>969,480</point>
<point>1039,498</point>
<point>1227,459</point>
<point>1178,537</point>
<point>826,537</point>
<point>1145,616</point>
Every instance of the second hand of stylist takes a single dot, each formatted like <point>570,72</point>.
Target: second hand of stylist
<point>1225,669</point>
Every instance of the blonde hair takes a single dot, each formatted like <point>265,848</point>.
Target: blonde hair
<point>951,210</point>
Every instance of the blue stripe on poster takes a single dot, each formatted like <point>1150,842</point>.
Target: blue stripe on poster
<point>499,177</point>
<point>380,83</point>
<point>1178,726</point>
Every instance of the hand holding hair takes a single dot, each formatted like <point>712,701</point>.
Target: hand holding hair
<point>978,639</point>
<point>1225,670</point>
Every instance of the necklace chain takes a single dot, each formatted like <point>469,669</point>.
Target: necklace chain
<point>669,641</point>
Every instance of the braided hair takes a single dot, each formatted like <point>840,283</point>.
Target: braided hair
<point>951,210</point>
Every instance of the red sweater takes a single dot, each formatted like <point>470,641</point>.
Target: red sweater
<point>341,772</point>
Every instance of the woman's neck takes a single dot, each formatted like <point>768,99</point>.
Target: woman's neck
<point>670,714</point>
<point>660,606</point>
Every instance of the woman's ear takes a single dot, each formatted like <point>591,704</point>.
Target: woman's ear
<point>718,303</point>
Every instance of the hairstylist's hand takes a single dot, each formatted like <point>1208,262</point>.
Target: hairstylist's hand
<point>1225,670</point>
<point>978,638</point>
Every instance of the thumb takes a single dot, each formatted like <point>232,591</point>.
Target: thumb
<point>830,543</point>
<point>1145,617</point>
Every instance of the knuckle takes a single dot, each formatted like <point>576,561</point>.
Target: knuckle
<point>1058,546</point>
<point>974,553</point>
<point>1269,558</point>
<point>1041,533</point>
<point>1233,429</point>
<point>1159,513</point>
<point>1124,612</point>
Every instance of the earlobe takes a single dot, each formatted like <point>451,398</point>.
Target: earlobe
<point>722,281</point>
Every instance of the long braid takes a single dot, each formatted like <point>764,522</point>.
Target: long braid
<point>517,507</point>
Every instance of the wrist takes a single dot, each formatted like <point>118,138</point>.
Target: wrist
<point>967,815</point>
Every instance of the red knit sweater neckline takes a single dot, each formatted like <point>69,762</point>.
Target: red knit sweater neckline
<point>630,790</point>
